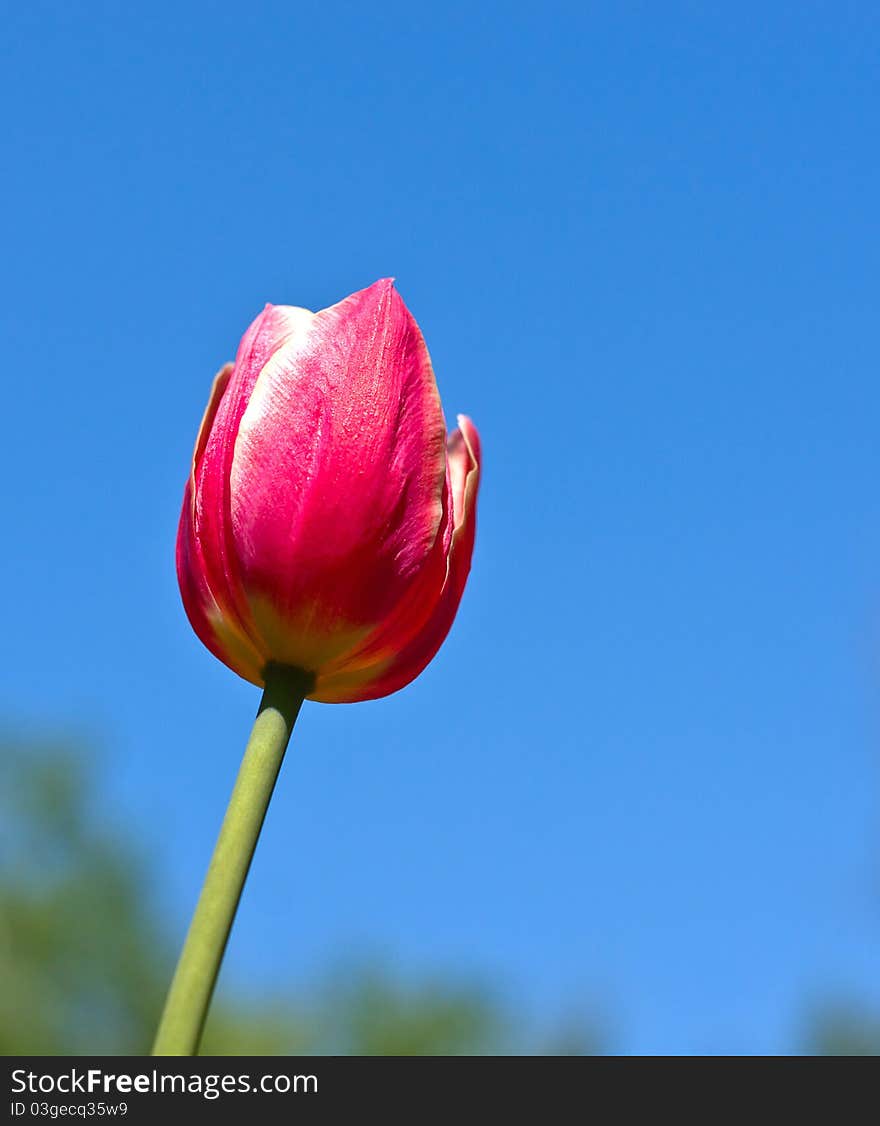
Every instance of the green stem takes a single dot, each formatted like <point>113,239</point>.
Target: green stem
<point>186,1008</point>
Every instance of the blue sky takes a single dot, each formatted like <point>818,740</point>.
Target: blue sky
<point>642,242</point>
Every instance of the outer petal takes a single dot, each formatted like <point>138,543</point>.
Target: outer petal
<point>216,625</point>
<point>337,501</point>
<point>348,684</point>
<point>211,501</point>
<point>212,618</point>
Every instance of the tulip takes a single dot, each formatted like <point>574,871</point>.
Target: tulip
<point>324,544</point>
<point>328,522</point>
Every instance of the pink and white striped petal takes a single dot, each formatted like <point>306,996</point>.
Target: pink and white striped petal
<point>338,477</point>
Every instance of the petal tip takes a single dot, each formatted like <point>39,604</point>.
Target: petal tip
<point>383,288</point>
<point>471,436</point>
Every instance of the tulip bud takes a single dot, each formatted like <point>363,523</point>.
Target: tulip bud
<point>328,521</point>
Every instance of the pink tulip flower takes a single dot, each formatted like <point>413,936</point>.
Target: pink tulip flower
<point>328,521</point>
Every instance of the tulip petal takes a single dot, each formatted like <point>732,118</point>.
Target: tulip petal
<point>215,625</point>
<point>355,682</point>
<point>211,531</point>
<point>209,618</point>
<point>337,479</point>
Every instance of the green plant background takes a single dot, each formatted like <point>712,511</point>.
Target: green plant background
<point>86,955</point>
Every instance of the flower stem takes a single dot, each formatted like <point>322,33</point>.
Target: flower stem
<point>186,1007</point>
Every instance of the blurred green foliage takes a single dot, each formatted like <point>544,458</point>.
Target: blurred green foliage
<point>78,943</point>
<point>843,1028</point>
<point>85,956</point>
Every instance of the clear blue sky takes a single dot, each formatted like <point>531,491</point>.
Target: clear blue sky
<point>642,242</point>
